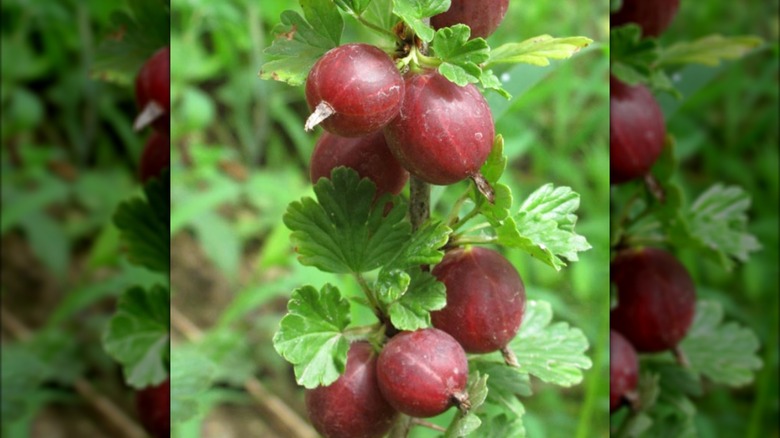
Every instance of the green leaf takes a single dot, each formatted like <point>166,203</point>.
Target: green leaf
<point>191,376</point>
<point>506,426</point>
<point>345,231</point>
<point>718,220</point>
<point>538,50</point>
<point>505,384</point>
<point>460,56</point>
<point>496,161</point>
<point>490,81</point>
<point>412,12</point>
<point>464,424</point>
<point>724,352</point>
<point>355,7</point>
<point>423,295</point>
<point>144,225</point>
<point>424,247</point>
<point>555,352</point>
<point>310,335</point>
<point>709,50</point>
<point>497,211</point>
<point>631,56</point>
<point>324,18</point>
<point>137,36</point>
<point>544,226</point>
<point>298,44</point>
<point>138,335</point>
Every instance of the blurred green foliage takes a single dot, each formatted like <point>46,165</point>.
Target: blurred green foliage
<point>727,131</point>
<point>69,157</point>
<point>240,156</point>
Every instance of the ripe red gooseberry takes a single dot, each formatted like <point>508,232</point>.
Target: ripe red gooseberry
<point>656,299</point>
<point>444,132</point>
<point>353,90</point>
<point>352,406</point>
<point>485,299</point>
<point>424,372</point>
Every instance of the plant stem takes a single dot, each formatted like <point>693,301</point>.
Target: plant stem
<point>452,220</point>
<point>470,215</point>
<point>419,202</point>
<point>428,424</point>
<point>369,294</point>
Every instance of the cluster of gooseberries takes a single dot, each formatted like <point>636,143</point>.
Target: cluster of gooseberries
<point>387,126</point>
<point>637,130</point>
<point>656,296</point>
<point>152,93</point>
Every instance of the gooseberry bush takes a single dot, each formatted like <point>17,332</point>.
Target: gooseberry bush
<point>667,343</point>
<point>452,329</point>
<point>137,335</point>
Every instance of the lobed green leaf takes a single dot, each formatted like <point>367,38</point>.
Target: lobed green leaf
<point>138,335</point>
<point>460,56</point>
<point>413,13</point>
<point>144,225</point>
<point>555,352</point>
<point>345,231</point>
<point>299,43</point>
<point>311,335</point>
<point>724,352</point>
<point>544,226</point>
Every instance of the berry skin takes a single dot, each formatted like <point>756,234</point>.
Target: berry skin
<point>623,369</point>
<point>357,86</point>
<point>485,299</point>
<point>652,16</point>
<point>637,131</point>
<point>352,406</point>
<point>444,132</point>
<point>482,17</point>
<point>422,373</point>
<point>155,157</point>
<point>656,299</point>
<point>368,155</point>
<point>154,409</point>
<point>153,87</point>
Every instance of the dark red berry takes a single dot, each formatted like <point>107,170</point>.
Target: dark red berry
<point>483,17</point>
<point>155,157</point>
<point>353,90</point>
<point>352,406</point>
<point>652,16</point>
<point>153,91</point>
<point>485,299</point>
<point>368,155</point>
<point>444,132</point>
<point>656,299</point>
<point>623,369</point>
<point>423,373</point>
<point>154,409</point>
<point>637,131</point>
